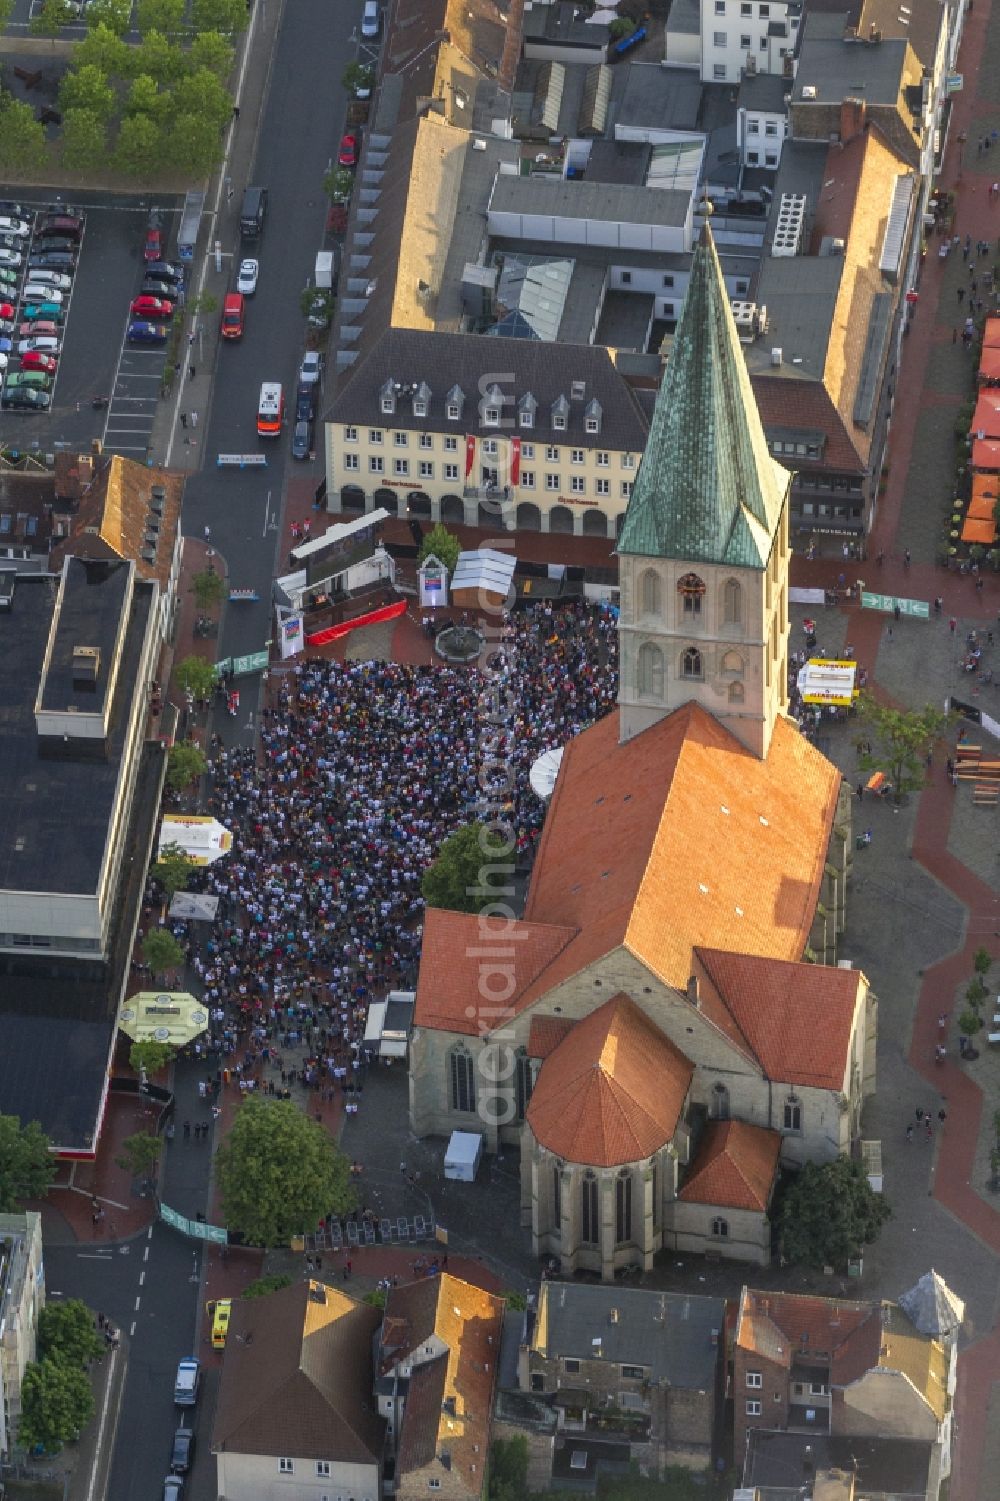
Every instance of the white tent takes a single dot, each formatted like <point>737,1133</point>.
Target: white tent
<point>484,571</point>
<point>544,771</point>
<point>828,682</point>
<point>203,839</point>
<point>461,1161</point>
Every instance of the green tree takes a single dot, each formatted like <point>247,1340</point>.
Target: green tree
<point>50,18</point>
<point>144,98</point>
<point>443,544</point>
<point>27,1166</point>
<point>829,1214</point>
<point>467,862</point>
<point>976,992</point>
<point>139,1155</point>
<point>207,585</point>
<point>116,15</point>
<point>84,140</point>
<point>141,147</point>
<point>159,58</point>
<point>6,8</point>
<point>195,675</point>
<point>219,15</point>
<point>203,97</point>
<point>982,961</point>
<point>195,144</point>
<point>337,184</point>
<point>280,1172</point>
<point>22,138</point>
<point>902,740</point>
<point>516,1301</point>
<point>102,49</point>
<point>185,764</point>
<point>376,1297</point>
<point>161,951</point>
<point>265,1285</point>
<point>357,76</point>
<point>212,51</point>
<point>164,16</point>
<point>204,302</point>
<point>66,1332</point>
<point>620,27</point>
<point>87,88</point>
<point>317,305</point>
<point>56,1405</point>
<point>172,868</point>
<point>151,1057</point>
<point>969,1022</point>
<point>508,1477</point>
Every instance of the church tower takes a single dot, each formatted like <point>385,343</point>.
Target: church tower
<point>703,551</point>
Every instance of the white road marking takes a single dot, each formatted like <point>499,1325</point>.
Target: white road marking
<point>105,1407</point>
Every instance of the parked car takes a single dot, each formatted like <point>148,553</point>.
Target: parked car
<point>6,328</point>
<point>187,1382</point>
<point>6,345</point>
<point>59,260</point>
<point>246,281</point>
<point>11,242</point>
<point>371,19</point>
<point>47,310</point>
<point>305,403</point>
<point>182,1451</point>
<point>7,310</point>
<point>11,225</point>
<point>347,156</point>
<point>36,360</point>
<point>43,343</point>
<point>40,328</point>
<point>4,360</point>
<point>45,293</point>
<point>311,368</point>
<point>153,246</point>
<point>141,332</point>
<point>13,210</point>
<point>57,279</point>
<point>62,224</point>
<point>24,399</point>
<point>29,380</point>
<point>153,287</point>
<point>152,307</point>
<point>233,309</point>
<point>11,258</point>
<point>302,440</point>
<point>8,281</point>
<point>173,1488</point>
<point>57,242</point>
<point>166,272</point>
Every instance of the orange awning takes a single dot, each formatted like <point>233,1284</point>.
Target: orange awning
<point>979,531</point>
<point>991,337</point>
<point>989,364</point>
<point>985,487</point>
<point>875,782</point>
<point>986,454</point>
<point>981,508</point>
<point>986,418</point>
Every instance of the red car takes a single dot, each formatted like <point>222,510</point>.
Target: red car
<point>35,360</point>
<point>153,248</point>
<point>151,307</point>
<point>348,154</point>
<point>40,328</point>
<point>7,310</point>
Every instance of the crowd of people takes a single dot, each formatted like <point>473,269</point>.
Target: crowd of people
<point>363,769</point>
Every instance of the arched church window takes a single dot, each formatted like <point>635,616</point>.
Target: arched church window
<point>733,665</point>
<point>623,1207</point>
<point>462,1080</point>
<point>692,591</point>
<point>524,1082</point>
<point>732,603</point>
<point>720,1102</point>
<point>691,663</point>
<point>650,671</point>
<point>591,1224</point>
<point>737,693</point>
<point>651,593</point>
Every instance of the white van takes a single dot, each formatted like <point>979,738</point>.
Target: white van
<point>371,19</point>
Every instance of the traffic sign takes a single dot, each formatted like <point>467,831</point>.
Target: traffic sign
<point>256,662</point>
<point>888,603</point>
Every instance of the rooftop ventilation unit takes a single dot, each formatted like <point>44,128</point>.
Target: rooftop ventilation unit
<point>790,225</point>
<point>750,320</point>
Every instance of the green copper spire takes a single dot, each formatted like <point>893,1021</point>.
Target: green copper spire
<point>707,489</point>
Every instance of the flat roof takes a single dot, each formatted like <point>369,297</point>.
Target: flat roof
<point>660,98</point>
<point>54,813</point>
<point>837,69</point>
<point>800,294</point>
<point>92,599</point>
<point>612,203</point>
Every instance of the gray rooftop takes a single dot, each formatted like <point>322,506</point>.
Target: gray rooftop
<point>765,92</point>
<point>519,366</point>
<point>54,813</point>
<point>663,98</point>
<point>622,203</point>
<point>800,294</point>
<point>674,1335</point>
<point>897,1467</point>
<point>685,18</point>
<point>837,69</point>
<point>93,598</point>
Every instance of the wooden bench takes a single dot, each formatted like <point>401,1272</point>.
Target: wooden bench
<point>985,797</point>
<point>968,752</point>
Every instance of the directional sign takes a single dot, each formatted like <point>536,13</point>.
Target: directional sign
<point>242,460</point>
<point>256,662</point>
<point>887,603</point>
<point>197,1229</point>
<point>223,666</point>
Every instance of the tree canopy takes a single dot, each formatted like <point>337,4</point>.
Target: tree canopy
<point>265,1285</point>
<point>208,588</point>
<point>196,675</point>
<point>66,1332</point>
<point>173,868</point>
<point>508,1478</point>
<point>161,951</point>
<point>27,1166</point>
<point>279,1173</point>
<point>22,138</point>
<point>56,1404</point>
<point>185,764</point>
<point>443,544</point>
<point>150,1056</point>
<point>461,878</point>
<point>139,1155</point>
<point>901,741</point>
<point>829,1213</point>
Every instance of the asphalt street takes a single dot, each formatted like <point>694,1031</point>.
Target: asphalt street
<point>300,129</point>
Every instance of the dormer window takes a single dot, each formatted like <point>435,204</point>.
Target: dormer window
<point>559,421</point>
<point>454,402</point>
<point>454,411</point>
<point>491,416</point>
<point>491,406</point>
<point>560,414</point>
<point>526,411</point>
<point>387,399</point>
<point>421,399</point>
<point>592,416</point>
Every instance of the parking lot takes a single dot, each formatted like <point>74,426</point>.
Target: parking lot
<point>94,361</point>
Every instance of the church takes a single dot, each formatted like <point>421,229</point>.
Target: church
<point>667,1024</point>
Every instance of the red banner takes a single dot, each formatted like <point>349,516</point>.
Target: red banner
<point>470,454</point>
<point>515,461</point>
<point>373,617</point>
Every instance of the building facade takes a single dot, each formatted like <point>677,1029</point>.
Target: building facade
<point>22,1297</point>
